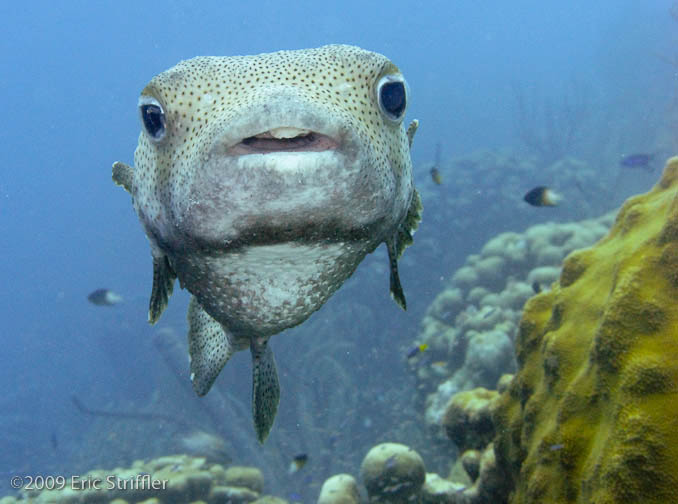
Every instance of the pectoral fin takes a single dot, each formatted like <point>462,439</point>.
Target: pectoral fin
<point>410,224</point>
<point>411,130</point>
<point>123,175</point>
<point>397,245</point>
<point>209,347</point>
<point>265,388</point>
<point>163,284</point>
<point>396,289</point>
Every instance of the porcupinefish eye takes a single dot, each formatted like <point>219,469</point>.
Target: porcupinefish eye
<point>392,95</point>
<point>152,117</point>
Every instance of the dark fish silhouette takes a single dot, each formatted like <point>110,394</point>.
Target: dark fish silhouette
<point>536,287</point>
<point>542,196</point>
<point>643,161</point>
<point>104,297</point>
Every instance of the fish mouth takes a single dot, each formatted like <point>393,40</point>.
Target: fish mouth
<point>283,139</point>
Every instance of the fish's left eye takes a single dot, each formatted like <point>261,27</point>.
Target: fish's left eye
<point>152,117</point>
<point>392,95</point>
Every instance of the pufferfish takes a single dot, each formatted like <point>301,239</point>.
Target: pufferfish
<point>261,183</point>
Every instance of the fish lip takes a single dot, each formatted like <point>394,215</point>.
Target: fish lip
<point>283,139</point>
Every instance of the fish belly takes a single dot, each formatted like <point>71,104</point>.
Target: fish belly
<point>262,290</point>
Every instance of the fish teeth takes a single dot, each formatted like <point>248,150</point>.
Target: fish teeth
<point>288,132</point>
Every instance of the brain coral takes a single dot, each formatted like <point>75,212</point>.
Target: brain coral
<point>592,414</point>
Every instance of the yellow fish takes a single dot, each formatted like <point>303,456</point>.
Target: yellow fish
<point>414,351</point>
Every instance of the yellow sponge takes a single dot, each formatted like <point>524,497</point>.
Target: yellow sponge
<point>592,414</point>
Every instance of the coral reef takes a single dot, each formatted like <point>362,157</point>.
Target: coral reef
<point>248,477</point>
<point>468,418</point>
<point>591,413</point>
<point>339,489</point>
<point>491,483</point>
<point>392,473</point>
<point>476,477</point>
<point>437,490</point>
<point>176,479</point>
<point>470,326</point>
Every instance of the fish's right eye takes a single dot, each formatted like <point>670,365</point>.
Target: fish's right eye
<point>152,117</point>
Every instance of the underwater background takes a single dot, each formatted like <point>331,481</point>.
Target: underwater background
<point>512,95</point>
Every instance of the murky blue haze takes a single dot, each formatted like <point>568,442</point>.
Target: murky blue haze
<point>70,74</point>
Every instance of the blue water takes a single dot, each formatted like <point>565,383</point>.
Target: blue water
<point>70,74</point>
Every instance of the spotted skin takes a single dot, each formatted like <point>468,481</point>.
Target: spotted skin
<point>265,387</point>
<point>209,345</point>
<point>261,183</point>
